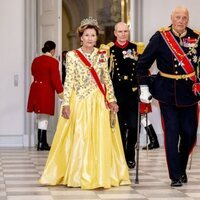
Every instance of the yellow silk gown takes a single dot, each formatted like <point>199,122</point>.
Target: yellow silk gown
<point>85,151</point>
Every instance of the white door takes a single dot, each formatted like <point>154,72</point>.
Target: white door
<point>49,26</point>
<point>12,102</point>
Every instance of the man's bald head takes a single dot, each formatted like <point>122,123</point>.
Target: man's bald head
<point>121,24</point>
<point>121,32</point>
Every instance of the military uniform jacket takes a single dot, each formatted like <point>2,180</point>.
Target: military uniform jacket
<point>45,71</point>
<point>167,90</point>
<point>122,65</point>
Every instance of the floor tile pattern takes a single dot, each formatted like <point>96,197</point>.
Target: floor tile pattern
<point>20,169</point>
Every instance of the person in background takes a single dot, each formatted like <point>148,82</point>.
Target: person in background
<point>87,150</point>
<point>144,110</point>
<point>63,66</point>
<point>176,50</point>
<point>41,100</point>
<point>122,63</point>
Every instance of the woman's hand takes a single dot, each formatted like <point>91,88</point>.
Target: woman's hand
<point>114,107</point>
<point>66,112</point>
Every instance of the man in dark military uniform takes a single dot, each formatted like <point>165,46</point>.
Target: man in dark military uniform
<point>123,59</point>
<point>176,50</point>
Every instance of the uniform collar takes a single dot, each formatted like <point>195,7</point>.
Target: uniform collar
<point>179,35</point>
<point>121,46</point>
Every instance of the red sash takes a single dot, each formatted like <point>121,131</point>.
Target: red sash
<point>178,53</point>
<point>94,74</point>
<point>196,88</point>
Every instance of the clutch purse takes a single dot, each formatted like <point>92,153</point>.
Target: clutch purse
<point>112,119</point>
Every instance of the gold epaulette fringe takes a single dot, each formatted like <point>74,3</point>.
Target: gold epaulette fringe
<point>106,48</point>
<point>197,32</point>
<point>103,47</point>
<point>164,29</point>
<point>140,46</point>
<point>110,44</point>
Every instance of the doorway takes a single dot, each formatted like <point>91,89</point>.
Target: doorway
<point>66,15</point>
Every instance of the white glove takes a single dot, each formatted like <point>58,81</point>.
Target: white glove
<point>60,95</point>
<point>145,95</point>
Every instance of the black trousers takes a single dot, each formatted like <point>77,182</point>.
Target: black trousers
<point>180,132</point>
<point>127,116</point>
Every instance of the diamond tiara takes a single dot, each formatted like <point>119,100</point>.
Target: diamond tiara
<point>89,21</point>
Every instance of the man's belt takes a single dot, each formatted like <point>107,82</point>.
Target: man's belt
<point>177,77</point>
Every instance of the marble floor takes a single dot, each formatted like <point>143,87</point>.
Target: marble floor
<point>20,169</point>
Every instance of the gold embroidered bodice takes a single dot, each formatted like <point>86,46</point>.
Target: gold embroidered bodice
<point>79,78</point>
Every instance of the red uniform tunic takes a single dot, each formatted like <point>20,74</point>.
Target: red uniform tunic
<point>145,108</point>
<point>45,70</point>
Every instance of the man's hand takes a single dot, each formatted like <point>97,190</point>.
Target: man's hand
<point>145,95</point>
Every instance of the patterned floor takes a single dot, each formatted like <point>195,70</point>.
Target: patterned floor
<point>20,169</point>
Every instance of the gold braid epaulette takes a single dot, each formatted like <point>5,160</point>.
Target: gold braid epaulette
<point>106,47</point>
<point>164,29</point>
<point>140,46</point>
<point>110,44</point>
<point>197,32</point>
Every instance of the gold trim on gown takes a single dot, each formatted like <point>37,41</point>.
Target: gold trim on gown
<point>85,151</point>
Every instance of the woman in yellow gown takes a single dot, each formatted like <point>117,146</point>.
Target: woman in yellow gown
<point>86,152</point>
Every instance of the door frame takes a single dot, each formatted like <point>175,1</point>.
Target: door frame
<point>29,139</point>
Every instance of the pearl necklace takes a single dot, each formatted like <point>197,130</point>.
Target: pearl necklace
<point>87,55</point>
<point>92,57</point>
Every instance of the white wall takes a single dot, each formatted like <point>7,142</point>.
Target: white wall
<point>156,14</point>
<point>12,105</point>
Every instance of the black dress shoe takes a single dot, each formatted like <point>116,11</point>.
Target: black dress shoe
<point>151,146</point>
<point>43,147</point>
<point>131,164</point>
<point>176,183</point>
<point>184,178</point>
